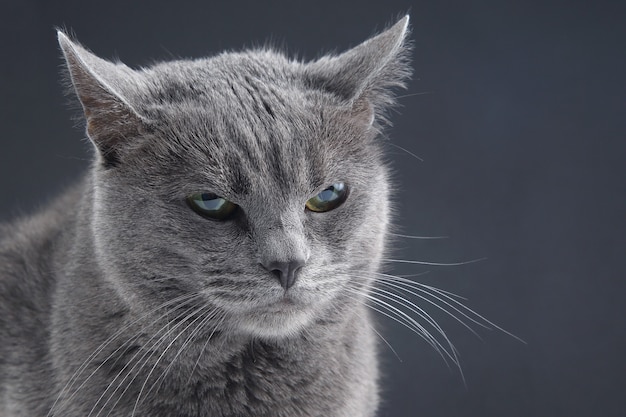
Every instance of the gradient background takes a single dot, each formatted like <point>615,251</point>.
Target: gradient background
<point>519,117</point>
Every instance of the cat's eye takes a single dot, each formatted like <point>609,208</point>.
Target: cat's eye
<point>329,199</point>
<point>211,206</point>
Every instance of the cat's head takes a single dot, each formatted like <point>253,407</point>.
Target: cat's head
<point>251,180</point>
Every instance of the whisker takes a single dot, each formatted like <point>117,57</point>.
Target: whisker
<point>404,261</point>
<point>146,353</point>
<point>401,317</point>
<point>151,352</point>
<point>413,275</point>
<point>418,237</point>
<point>490,323</point>
<point>210,316</point>
<point>163,354</point>
<point>405,150</point>
<point>415,94</point>
<point>411,282</point>
<point>417,310</point>
<point>401,320</point>
<point>410,306</point>
<point>438,290</point>
<point>414,325</point>
<point>408,285</point>
<point>442,296</point>
<point>374,329</point>
<point>204,347</point>
<point>385,341</point>
<point>102,346</point>
<point>425,335</point>
<point>388,283</point>
<point>416,328</point>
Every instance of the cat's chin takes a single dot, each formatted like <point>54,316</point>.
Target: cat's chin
<point>276,321</point>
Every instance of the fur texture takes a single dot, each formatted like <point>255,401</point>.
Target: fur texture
<point>119,300</point>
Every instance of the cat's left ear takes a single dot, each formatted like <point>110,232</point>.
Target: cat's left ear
<point>105,91</point>
<point>366,75</point>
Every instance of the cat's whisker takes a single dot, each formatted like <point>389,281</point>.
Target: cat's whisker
<point>419,274</point>
<point>407,286</point>
<point>439,290</point>
<point>409,305</point>
<point>164,351</point>
<point>422,333</point>
<point>199,328</point>
<point>156,334</point>
<point>208,317</point>
<point>442,296</point>
<point>414,94</point>
<point>418,237</point>
<point>400,316</point>
<point>406,261</point>
<point>103,345</point>
<point>385,341</point>
<point>405,150</point>
<point>417,310</point>
<point>490,323</point>
<point>418,286</point>
<point>390,284</point>
<point>389,313</point>
<point>360,301</point>
<point>412,324</point>
<point>151,352</point>
<point>148,351</point>
<point>217,326</point>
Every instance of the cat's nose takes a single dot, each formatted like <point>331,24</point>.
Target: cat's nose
<point>286,272</point>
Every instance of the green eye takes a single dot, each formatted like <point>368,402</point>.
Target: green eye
<point>211,206</point>
<point>329,199</point>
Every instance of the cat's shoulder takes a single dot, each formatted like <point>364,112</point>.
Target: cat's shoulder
<point>28,239</point>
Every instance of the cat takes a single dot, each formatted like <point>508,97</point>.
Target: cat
<point>217,258</point>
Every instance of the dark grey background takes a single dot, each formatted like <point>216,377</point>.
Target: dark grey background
<point>522,130</point>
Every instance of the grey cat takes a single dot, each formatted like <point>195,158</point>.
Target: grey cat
<point>217,258</point>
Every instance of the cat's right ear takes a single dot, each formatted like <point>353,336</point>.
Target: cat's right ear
<point>104,90</point>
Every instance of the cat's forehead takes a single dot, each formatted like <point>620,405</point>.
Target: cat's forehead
<point>229,79</point>
<point>254,149</point>
<point>255,97</point>
<point>251,124</point>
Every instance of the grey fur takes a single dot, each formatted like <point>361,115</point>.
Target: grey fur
<point>119,298</point>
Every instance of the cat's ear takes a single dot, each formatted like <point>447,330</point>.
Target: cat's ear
<point>366,75</point>
<point>103,89</point>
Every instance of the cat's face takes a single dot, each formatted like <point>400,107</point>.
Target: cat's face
<point>263,133</point>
